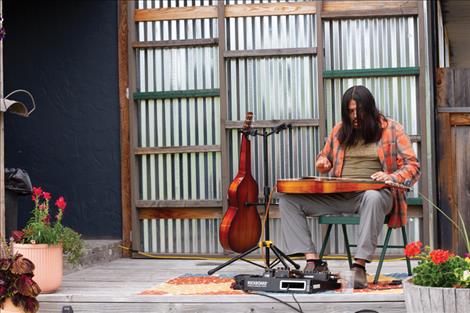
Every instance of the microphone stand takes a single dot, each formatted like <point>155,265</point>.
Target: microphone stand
<point>266,243</point>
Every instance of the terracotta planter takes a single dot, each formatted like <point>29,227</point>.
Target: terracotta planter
<point>9,307</point>
<point>420,299</point>
<point>48,264</point>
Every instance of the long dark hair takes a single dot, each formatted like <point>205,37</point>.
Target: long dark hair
<point>367,113</point>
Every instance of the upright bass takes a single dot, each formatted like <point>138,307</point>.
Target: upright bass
<point>240,229</point>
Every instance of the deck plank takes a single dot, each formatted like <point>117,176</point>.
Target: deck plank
<point>115,287</point>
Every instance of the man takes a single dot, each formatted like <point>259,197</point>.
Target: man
<point>363,145</point>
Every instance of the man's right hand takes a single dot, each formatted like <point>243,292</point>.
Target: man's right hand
<point>323,165</point>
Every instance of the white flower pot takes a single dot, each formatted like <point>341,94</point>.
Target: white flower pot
<point>421,299</point>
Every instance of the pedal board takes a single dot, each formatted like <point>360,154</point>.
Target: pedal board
<point>288,281</point>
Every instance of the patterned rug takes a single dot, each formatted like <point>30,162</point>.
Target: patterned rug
<point>193,284</point>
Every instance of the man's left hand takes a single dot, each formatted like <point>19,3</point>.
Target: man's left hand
<point>381,176</point>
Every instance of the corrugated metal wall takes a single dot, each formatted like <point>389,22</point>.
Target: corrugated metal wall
<point>273,88</point>
<point>374,44</point>
<point>277,88</point>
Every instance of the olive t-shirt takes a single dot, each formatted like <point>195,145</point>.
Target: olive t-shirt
<point>361,161</point>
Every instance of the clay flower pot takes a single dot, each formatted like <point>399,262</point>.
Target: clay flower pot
<point>48,264</point>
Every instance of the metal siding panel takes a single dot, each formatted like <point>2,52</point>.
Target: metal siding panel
<point>145,238</point>
<point>386,91</point>
<point>273,96</point>
<point>154,235</point>
<point>179,236</point>
<point>284,148</point>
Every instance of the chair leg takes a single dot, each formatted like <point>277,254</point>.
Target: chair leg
<point>325,240</point>
<point>405,242</point>
<point>346,245</point>
<point>382,255</point>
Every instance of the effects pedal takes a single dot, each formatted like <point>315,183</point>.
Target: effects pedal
<point>288,281</point>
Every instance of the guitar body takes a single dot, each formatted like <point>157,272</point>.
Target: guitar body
<point>240,229</point>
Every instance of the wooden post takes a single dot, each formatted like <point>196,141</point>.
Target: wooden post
<point>2,146</point>
<point>134,178</point>
<point>223,105</point>
<point>428,217</point>
<point>126,206</point>
<point>320,62</point>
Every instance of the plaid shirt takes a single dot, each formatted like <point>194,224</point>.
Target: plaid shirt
<point>396,156</point>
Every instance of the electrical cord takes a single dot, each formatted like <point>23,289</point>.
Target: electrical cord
<point>295,299</point>
<point>278,300</point>
<point>153,256</point>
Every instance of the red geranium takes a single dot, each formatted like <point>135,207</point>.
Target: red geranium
<point>412,249</point>
<point>439,256</point>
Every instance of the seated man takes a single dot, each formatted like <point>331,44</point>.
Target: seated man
<point>364,145</point>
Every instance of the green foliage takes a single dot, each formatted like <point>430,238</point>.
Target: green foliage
<point>72,244</point>
<point>447,274</point>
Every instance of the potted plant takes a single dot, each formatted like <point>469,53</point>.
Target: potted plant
<point>18,290</point>
<point>45,240</point>
<point>441,281</point>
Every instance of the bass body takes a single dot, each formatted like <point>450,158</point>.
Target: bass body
<point>240,229</point>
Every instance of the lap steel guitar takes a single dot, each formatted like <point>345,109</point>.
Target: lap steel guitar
<point>314,184</point>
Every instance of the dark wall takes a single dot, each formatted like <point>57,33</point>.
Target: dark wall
<point>65,54</point>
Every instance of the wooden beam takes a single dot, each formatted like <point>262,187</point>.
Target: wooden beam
<point>234,10</point>
<point>274,123</point>
<point>178,204</point>
<point>460,119</point>
<point>179,213</point>
<point>359,9</point>
<point>270,9</point>
<point>133,126</point>
<point>176,43</point>
<point>444,87</point>
<point>260,53</point>
<point>181,149</point>
<point>126,205</point>
<point>429,221</point>
<point>179,13</point>
<point>320,67</point>
<point>223,105</point>
<point>453,110</point>
<point>331,9</point>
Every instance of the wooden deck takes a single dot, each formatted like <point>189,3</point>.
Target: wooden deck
<point>114,287</point>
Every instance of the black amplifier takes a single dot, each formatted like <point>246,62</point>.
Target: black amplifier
<point>289,281</point>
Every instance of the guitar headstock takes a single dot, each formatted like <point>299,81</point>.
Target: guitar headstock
<point>246,128</point>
